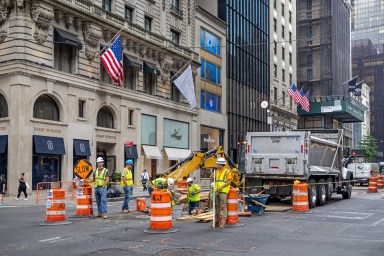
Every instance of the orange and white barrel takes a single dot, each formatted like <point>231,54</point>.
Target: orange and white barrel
<point>232,207</point>
<point>300,198</point>
<point>141,204</point>
<point>161,210</point>
<point>182,186</point>
<point>84,201</point>
<point>372,188</point>
<point>55,208</point>
<point>380,182</point>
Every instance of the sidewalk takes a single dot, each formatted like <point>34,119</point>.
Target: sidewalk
<point>10,200</point>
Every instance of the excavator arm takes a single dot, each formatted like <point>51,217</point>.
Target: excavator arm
<point>199,159</point>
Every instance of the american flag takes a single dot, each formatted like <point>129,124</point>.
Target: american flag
<point>113,61</point>
<point>305,101</point>
<point>292,92</point>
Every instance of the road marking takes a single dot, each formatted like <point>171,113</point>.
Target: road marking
<point>49,239</point>
<point>363,215</point>
<point>378,222</point>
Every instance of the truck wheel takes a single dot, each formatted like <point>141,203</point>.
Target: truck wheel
<point>348,193</point>
<point>321,192</point>
<point>312,193</point>
<point>329,188</point>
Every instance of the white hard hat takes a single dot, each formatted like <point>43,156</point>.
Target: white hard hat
<point>220,161</point>
<point>189,180</point>
<point>170,181</point>
<point>99,160</point>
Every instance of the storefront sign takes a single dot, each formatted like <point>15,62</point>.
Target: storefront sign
<point>209,140</point>
<point>102,136</point>
<point>47,130</point>
<point>2,128</point>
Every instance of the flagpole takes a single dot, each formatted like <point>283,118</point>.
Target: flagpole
<point>180,70</point>
<point>113,38</point>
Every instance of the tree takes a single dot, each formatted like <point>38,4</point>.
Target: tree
<point>369,146</point>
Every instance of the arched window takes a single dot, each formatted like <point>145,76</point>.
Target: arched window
<point>3,107</point>
<point>105,118</point>
<point>46,108</point>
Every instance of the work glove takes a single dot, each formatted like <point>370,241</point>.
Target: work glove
<point>193,193</point>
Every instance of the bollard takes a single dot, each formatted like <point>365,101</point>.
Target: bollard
<point>55,208</point>
<point>161,213</point>
<point>300,197</point>
<point>372,185</point>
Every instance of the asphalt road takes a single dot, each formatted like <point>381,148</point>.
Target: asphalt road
<point>353,227</point>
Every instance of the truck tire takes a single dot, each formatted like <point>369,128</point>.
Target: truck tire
<point>348,193</point>
<point>312,193</point>
<point>329,188</point>
<point>321,192</point>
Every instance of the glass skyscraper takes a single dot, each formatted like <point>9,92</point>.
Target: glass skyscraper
<point>247,67</point>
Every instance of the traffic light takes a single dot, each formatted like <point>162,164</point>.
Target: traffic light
<point>353,155</point>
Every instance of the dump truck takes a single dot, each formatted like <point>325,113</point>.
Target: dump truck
<point>274,160</point>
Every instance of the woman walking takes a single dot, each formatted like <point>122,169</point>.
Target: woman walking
<point>22,187</point>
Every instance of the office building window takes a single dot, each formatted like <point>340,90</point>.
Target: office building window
<point>282,9</point>
<point>129,78</point>
<point>275,70</point>
<point>290,79</point>
<point>275,47</point>
<point>274,4</point>
<point>64,57</point>
<point>282,31</point>
<point>309,58</point>
<point>283,98</point>
<point>309,29</point>
<point>290,17</point>
<point>131,117</point>
<point>128,14</point>
<point>283,75</point>
<point>309,4</point>
<point>283,53</point>
<point>210,72</point>
<point>275,94</point>
<point>210,101</point>
<point>46,108</point>
<point>176,7</point>
<point>290,103</point>
<point>290,58</point>
<point>107,5</point>
<point>274,25</point>
<point>104,76</point>
<point>81,108</point>
<point>3,107</point>
<point>210,42</point>
<point>149,83</point>
<point>290,37</point>
<point>175,37</point>
<point>148,23</point>
<point>309,74</point>
<point>105,118</point>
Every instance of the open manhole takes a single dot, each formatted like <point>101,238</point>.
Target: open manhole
<point>182,251</point>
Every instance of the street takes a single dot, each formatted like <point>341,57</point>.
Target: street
<point>341,227</point>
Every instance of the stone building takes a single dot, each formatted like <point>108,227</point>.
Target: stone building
<point>58,104</point>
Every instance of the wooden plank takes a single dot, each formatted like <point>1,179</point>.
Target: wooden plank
<point>259,203</point>
<point>186,218</point>
<point>245,214</point>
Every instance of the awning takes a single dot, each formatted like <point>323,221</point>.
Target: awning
<point>134,62</point>
<point>152,152</point>
<point>63,37</point>
<point>3,143</point>
<point>151,68</point>
<point>48,145</point>
<point>177,153</point>
<point>131,152</point>
<point>81,147</point>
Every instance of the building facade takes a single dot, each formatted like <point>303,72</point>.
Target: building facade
<point>58,105</point>
<point>211,37</point>
<point>247,67</point>
<point>282,29</point>
<point>362,129</point>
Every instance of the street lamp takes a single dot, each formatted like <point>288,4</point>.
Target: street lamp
<point>264,104</point>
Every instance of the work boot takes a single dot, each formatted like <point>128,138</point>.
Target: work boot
<point>98,215</point>
<point>222,225</point>
<point>105,216</point>
<point>125,211</point>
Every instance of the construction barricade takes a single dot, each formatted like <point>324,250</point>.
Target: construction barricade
<point>84,202</point>
<point>380,182</point>
<point>42,189</point>
<point>372,188</point>
<point>141,204</point>
<point>182,186</point>
<point>55,208</point>
<point>233,209</point>
<point>300,197</point>
<point>161,213</point>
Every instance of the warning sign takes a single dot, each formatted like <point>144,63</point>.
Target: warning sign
<point>83,169</point>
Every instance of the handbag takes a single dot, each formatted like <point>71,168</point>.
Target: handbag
<point>27,185</point>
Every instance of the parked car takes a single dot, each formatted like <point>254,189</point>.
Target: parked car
<point>363,171</point>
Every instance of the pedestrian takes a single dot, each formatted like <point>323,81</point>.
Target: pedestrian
<point>127,183</point>
<point>193,196</point>
<point>223,180</point>
<point>22,187</point>
<point>2,189</point>
<point>101,179</point>
<point>144,179</point>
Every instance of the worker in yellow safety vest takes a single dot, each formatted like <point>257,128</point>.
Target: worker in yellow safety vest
<point>101,179</point>
<point>193,196</point>
<point>126,182</point>
<point>223,180</point>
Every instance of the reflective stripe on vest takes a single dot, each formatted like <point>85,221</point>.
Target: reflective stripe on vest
<point>128,178</point>
<point>221,180</point>
<point>100,179</point>
<point>194,198</point>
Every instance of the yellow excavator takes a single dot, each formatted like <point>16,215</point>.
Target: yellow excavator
<point>200,159</point>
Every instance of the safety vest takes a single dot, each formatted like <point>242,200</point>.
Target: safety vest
<point>159,181</point>
<point>196,197</point>
<point>100,179</point>
<point>221,179</point>
<point>128,177</point>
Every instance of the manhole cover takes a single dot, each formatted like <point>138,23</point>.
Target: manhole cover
<point>182,251</point>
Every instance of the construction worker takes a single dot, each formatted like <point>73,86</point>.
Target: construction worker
<point>193,195</point>
<point>158,183</point>
<point>127,183</point>
<point>101,179</point>
<point>210,196</point>
<point>223,180</point>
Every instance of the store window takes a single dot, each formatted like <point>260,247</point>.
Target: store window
<point>46,108</point>
<point>210,72</point>
<point>148,130</point>
<point>105,118</point>
<point>176,134</point>
<point>210,101</point>
<point>210,42</point>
